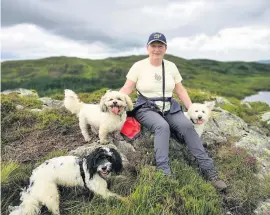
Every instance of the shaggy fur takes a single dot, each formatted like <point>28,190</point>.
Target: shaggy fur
<point>90,172</point>
<point>107,117</point>
<point>199,112</point>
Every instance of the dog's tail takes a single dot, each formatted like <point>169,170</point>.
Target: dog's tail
<point>72,102</point>
<point>29,205</point>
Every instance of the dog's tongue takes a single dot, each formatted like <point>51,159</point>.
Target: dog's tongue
<point>115,110</point>
<point>199,121</point>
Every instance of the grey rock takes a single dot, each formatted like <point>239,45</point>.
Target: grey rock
<point>266,117</point>
<point>88,148</point>
<point>22,92</point>
<point>52,103</point>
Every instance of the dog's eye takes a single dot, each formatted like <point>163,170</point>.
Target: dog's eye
<point>110,99</point>
<point>196,110</point>
<point>203,111</point>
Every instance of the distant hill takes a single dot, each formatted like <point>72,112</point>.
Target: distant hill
<point>264,61</point>
<point>52,75</point>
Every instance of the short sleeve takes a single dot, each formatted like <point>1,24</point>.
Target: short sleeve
<point>176,74</point>
<point>133,73</point>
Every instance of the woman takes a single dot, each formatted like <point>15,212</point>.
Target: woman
<point>146,76</point>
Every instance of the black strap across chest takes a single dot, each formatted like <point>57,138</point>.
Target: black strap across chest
<point>163,89</point>
<point>82,173</point>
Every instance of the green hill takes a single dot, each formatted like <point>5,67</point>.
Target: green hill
<point>52,75</point>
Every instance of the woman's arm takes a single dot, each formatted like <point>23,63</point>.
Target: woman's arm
<point>128,87</point>
<point>182,94</point>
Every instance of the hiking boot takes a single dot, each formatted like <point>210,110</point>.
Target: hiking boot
<point>212,176</point>
<point>219,184</point>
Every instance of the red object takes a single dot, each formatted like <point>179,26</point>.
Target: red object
<point>131,128</point>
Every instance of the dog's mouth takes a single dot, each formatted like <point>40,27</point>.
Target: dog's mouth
<point>104,172</point>
<point>116,109</point>
<point>197,121</point>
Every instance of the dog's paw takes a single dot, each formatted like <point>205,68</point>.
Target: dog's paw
<point>87,139</point>
<point>104,141</point>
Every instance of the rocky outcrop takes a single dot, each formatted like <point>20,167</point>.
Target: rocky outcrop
<point>52,103</point>
<point>225,127</point>
<point>22,92</point>
<point>266,117</point>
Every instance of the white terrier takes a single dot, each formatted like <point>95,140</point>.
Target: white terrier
<point>199,114</point>
<point>106,117</point>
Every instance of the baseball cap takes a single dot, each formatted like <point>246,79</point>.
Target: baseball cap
<point>157,37</point>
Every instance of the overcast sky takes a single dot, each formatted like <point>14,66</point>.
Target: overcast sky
<point>225,30</point>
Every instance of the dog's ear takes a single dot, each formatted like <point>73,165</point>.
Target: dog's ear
<point>210,105</point>
<point>117,165</point>
<point>129,102</point>
<point>91,161</point>
<point>102,105</point>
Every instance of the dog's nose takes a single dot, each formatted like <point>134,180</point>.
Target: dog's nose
<point>200,117</point>
<point>104,168</point>
<point>115,103</point>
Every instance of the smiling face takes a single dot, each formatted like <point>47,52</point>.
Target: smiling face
<point>115,102</point>
<point>156,50</point>
<point>199,113</point>
<point>104,166</point>
<point>103,161</point>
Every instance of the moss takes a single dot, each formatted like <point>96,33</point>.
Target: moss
<point>199,96</point>
<point>17,123</point>
<point>55,117</point>
<point>27,102</point>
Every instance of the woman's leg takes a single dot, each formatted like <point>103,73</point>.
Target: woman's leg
<point>183,126</point>
<point>157,124</point>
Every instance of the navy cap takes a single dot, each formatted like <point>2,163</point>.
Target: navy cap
<point>157,37</point>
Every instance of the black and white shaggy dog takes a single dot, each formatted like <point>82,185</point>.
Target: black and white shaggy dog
<point>90,171</point>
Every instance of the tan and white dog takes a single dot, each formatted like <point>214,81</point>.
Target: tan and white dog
<point>199,115</point>
<point>106,117</point>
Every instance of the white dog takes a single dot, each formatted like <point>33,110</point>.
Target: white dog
<point>107,117</point>
<point>199,114</point>
<point>90,172</point>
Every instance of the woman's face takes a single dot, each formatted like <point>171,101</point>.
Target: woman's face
<point>156,50</point>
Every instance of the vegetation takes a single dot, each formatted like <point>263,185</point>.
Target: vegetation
<point>29,138</point>
<point>51,75</point>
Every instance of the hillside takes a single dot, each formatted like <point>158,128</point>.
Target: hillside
<point>51,75</point>
<point>33,132</point>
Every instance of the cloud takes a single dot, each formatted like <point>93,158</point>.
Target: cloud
<point>108,28</point>
<point>29,41</point>
<point>245,43</point>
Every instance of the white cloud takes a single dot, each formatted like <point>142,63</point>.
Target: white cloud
<point>29,41</point>
<point>245,43</point>
<point>181,10</point>
<point>250,43</point>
